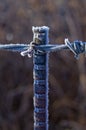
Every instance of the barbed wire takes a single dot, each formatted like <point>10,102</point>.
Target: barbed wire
<point>77,47</point>
<point>14,47</point>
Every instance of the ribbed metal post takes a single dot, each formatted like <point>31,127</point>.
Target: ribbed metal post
<point>40,74</point>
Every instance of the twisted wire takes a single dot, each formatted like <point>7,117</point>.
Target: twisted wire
<point>77,47</point>
<point>14,47</point>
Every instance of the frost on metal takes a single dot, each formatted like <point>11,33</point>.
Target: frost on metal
<point>40,29</point>
<point>40,74</point>
<point>44,31</point>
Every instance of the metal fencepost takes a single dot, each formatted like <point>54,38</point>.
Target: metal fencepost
<point>40,74</point>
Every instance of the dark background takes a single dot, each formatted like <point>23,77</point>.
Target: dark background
<point>67,76</point>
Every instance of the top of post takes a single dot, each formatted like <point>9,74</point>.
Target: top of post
<point>40,35</point>
<point>41,29</point>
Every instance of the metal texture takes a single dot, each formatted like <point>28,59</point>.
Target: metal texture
<point>40,74</point>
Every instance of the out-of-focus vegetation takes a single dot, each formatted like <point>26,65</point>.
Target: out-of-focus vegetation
<point>67,76</point>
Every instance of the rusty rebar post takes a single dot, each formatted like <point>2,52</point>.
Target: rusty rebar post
<point>40,74</point>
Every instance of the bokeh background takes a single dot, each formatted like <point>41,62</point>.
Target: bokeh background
<point>67,76</point>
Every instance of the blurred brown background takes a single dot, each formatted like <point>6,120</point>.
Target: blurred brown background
<point>67,76</point>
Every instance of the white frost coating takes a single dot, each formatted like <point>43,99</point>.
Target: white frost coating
<point>40,28</point>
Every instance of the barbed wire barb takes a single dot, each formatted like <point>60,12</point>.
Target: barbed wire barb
<point>29,51</point>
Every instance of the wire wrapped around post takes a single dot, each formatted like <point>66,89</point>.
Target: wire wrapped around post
<point>40,74</point>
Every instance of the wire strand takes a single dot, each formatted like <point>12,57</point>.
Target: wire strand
<point>14,47</point>
<point>77,47</point>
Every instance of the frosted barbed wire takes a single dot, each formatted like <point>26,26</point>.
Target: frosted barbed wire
<point>77,47</point>
<point>14,47</point>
